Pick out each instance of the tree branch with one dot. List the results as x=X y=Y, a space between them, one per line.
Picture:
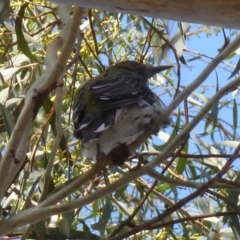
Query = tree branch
x=17 y=143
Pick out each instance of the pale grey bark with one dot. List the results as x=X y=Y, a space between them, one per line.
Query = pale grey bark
x=212 y=12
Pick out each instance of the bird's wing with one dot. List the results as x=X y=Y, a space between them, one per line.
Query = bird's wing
x=79 y=115
x=90 y=126
x=111 y=95
x=121 y=91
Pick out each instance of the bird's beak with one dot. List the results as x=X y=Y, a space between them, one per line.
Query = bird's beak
x=151 y=71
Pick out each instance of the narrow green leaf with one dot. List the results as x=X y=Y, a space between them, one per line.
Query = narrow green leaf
x=87 y=232
x=22 y=43
x=66 y=223
x=99 y=67
x=4 y=9
x=233 y=197
x=157 y=52
x=8 y=119
x=214 y=113
x=103 y=220
x=95 y=208
x=182 y=161
x=182 y=60
x=39 y=228
x=120 y=192
x=236 y=70
x=235 y=118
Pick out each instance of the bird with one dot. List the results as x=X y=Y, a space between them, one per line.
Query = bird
x=114 y=108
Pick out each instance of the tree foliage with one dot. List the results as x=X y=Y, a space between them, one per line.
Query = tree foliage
x=181 y=184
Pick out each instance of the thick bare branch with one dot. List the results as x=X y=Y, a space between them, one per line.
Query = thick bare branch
x=212 y=12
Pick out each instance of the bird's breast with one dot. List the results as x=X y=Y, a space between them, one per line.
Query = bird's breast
x=130 y=122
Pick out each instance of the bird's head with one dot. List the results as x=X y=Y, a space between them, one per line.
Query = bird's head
x=136 y=68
